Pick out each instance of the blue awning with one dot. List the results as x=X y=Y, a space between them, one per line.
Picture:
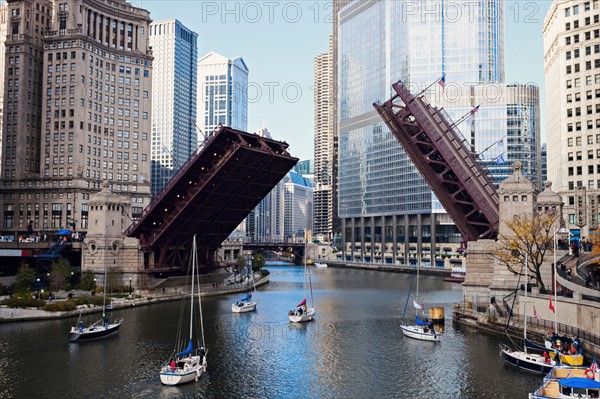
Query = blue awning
x=578 y=382
x=64 y=232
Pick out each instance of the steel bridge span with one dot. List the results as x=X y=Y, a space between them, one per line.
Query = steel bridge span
x=210 y=195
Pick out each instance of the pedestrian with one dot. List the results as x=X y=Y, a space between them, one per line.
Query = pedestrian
x=588 y=280
x=569 y=273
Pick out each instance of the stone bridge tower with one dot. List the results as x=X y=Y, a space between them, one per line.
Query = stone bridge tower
x=106 y=247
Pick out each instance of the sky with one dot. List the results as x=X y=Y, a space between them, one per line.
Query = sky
x=278 y=40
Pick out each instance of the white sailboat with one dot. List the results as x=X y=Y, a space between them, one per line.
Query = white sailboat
x=302 y=312
x=188 y=364
x=421 y=330
x=100 y=329
x=248 y=302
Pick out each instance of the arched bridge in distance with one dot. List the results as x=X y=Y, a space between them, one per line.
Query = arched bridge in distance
x=210 y=195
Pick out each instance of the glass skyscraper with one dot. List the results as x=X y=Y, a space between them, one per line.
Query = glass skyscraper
x=222 y=93
x=388 y=212
x=174 y=135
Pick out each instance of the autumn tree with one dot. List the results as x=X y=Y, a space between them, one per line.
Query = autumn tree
x=527 y=236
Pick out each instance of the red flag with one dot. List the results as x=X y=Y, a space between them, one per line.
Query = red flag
x=535 y=314
x=551 y=306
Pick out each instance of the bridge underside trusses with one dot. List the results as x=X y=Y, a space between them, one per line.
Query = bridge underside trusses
x=442 y=156
x=211 y=194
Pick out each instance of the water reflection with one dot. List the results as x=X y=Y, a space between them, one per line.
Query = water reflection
x=354 y=348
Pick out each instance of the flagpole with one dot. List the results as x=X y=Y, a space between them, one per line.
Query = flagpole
x=172 y=156
x=427 y=88
x=555 y=271
x=491 y=145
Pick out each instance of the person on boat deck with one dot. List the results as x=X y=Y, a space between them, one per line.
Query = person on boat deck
x=172 y=365
x=80 y=326
x=300 y=311
x=105 y=321
x=201 y=353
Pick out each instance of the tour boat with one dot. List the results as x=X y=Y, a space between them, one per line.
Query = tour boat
x=320 y=265
x=188 y=364
x=457 y=275
x=569 y=382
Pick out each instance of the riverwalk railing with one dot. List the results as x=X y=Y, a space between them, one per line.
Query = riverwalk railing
x=541 y=327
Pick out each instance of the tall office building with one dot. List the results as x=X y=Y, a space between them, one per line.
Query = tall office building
x=287 y=209
x=388 y=212
x=323 y=169
x=76 y=110
x=222 y=93
x=572 y=69
x=3 y=27
x=297 y=205
x=174 y=133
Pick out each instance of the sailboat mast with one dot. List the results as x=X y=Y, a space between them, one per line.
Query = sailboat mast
x=525 y=304
x=193 y=273
x=418 y=268
x=199 y=293
x=105 y=256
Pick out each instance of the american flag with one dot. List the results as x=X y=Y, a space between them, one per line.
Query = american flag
x=594 y=365
x=442 y=81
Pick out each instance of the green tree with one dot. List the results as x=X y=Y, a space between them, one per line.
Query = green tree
x=241 y=263
x=60 y=272
x=25 y=278
x=112 y=279
x=258 y=261
x=87 y=280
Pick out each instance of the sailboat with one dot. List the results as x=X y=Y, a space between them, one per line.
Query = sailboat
x=301 y=312
x=188 y=364
x=532 y=362
x=100 y=329
x=246 y=304
x=422 y=329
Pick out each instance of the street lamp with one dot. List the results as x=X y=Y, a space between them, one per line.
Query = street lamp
x=93 y=292
x=37 y=287
x=130 y=287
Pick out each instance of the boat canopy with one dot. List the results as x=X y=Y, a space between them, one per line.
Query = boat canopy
x=187 y=350
x=420 y=322
x=578 y=382
x=247 y=297
x=301 y=303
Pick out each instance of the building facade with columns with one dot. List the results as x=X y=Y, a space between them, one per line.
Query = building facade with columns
x=77 y=110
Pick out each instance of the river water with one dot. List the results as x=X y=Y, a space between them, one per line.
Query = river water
x=354 y=348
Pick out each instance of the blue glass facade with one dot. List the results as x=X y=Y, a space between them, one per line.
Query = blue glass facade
x=383 y=201
x=174 y=134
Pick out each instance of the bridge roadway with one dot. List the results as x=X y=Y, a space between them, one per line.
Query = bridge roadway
x=210 y=195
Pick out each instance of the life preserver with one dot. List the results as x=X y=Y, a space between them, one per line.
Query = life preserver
x=589 y=373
